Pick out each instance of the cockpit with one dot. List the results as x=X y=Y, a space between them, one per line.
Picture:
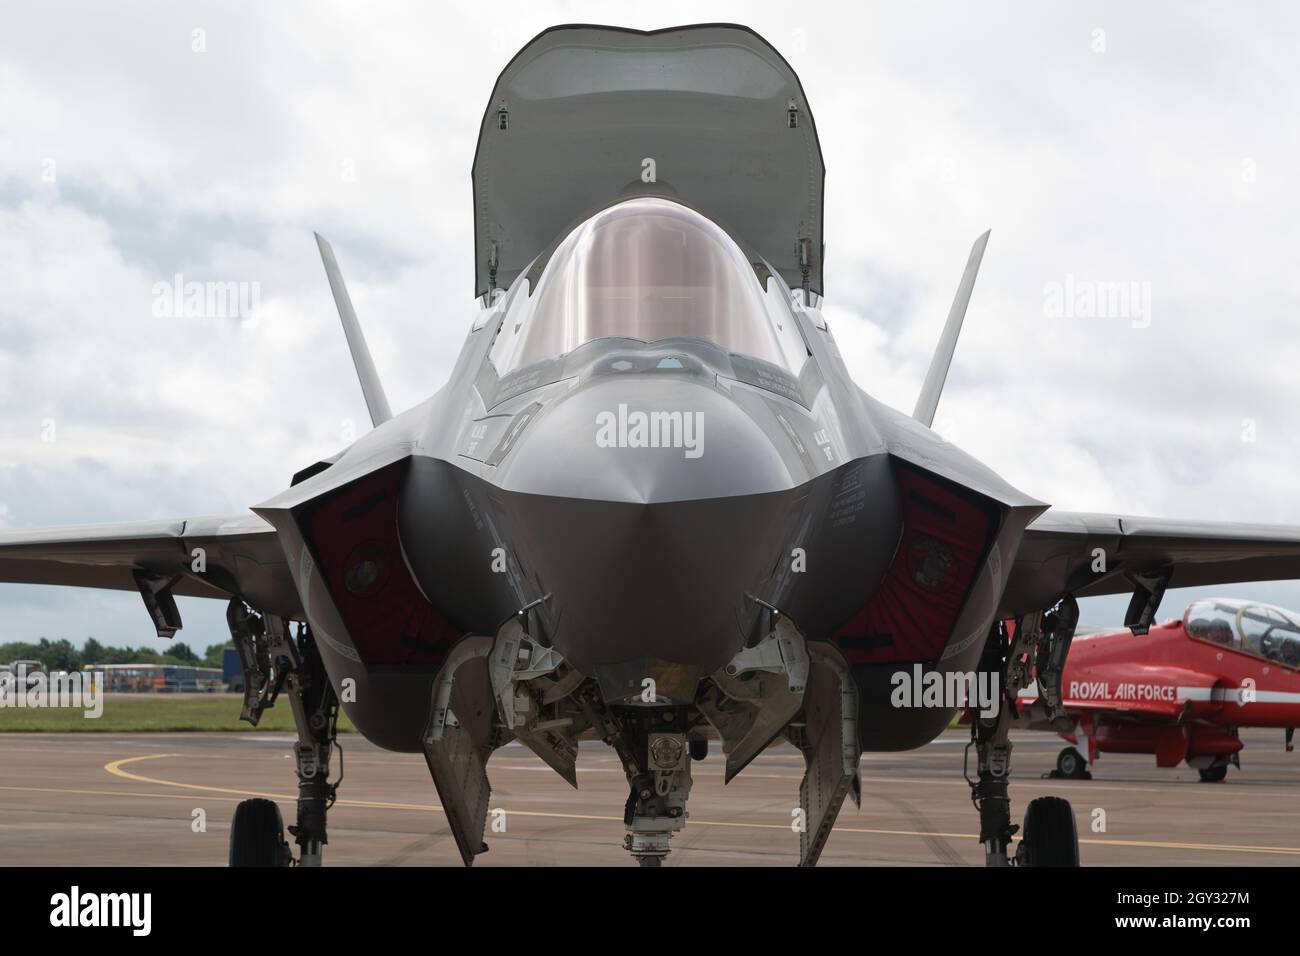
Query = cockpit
x=1260 y=630
x=648 y=269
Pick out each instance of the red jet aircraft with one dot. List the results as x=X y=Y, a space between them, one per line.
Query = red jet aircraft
x=1179 y=692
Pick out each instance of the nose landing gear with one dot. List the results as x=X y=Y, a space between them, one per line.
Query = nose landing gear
x=655 y=810
x=657 y=757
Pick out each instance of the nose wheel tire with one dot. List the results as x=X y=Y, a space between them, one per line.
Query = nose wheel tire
x=257 y=835
x=1050 y=835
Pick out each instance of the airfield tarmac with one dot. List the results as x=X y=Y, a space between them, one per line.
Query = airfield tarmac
x=129 y=799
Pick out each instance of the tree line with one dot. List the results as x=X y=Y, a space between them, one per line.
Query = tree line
x=62 y=655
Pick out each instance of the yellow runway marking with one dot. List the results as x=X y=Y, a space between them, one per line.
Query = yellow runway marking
x=115 y=768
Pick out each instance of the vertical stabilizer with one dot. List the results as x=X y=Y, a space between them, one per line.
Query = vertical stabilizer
x=376 y=401
x=928 y=400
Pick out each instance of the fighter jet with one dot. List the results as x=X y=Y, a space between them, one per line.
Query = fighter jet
x=650 y=507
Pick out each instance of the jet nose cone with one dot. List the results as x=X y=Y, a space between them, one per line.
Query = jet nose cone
x=648 y=507
x=667 y=582
x=645 y=439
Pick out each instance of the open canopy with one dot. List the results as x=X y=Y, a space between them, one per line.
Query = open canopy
x=711 y=115
x=648 y=269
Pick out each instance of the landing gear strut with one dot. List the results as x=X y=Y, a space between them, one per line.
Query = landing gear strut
x=990 y=738
x=657 y=757
x=273 y=661
x=1050 y=836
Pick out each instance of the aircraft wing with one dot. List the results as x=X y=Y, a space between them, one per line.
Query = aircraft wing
x=217 y=557
x=1065 y=552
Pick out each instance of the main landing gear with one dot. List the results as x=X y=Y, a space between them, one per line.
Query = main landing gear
x=1070 y=765
x=1213 y=773
x=1213 y=769
x=1050 y=836
x=273 y=661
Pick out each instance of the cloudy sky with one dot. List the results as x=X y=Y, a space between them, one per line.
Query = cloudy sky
x=1154 y=147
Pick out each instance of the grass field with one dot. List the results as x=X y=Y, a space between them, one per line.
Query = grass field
x=159 y=713
x=127 y=713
